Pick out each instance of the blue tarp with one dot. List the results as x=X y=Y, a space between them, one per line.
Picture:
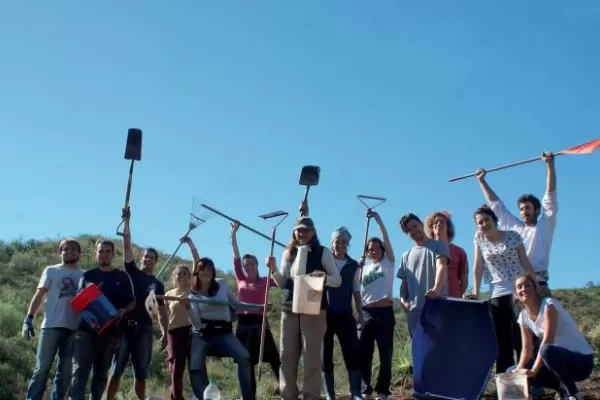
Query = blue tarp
x=454 y=349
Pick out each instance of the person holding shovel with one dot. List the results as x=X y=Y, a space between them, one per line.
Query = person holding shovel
x=90 y=350
x=377 y=308
x=340 y=317
x=302 y=334
x=251 y=288
x=136 y=327
x=57 y=286
x=537 y=223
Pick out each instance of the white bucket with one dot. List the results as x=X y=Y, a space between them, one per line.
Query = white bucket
x=308 y=292
x=512 y=386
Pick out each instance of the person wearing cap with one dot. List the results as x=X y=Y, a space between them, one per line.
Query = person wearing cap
x=340 y=317
x=304 y=255
x=251 y=288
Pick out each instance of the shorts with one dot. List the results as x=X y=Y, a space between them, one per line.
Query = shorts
x=135 y=342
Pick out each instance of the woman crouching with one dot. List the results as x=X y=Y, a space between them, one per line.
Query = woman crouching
x=565 y=357
x=212 y=328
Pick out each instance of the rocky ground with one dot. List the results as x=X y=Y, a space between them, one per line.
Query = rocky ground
x=590 y=388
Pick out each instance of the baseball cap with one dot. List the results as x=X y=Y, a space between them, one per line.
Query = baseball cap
x=304 y=222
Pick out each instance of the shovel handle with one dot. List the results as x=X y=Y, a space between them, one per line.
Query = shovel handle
x=127 y=196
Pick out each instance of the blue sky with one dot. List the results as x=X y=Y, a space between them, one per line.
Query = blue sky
x=390 y=98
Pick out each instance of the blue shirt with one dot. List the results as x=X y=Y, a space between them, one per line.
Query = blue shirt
x=114 y=284
x=143 y=283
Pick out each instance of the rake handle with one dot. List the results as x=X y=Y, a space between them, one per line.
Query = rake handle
x=263 y=328
x=241 y=224
x=162 y=269
x=365 y=244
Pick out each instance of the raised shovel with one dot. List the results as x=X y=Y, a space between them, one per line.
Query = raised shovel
x=133 y=152
x=309 y=176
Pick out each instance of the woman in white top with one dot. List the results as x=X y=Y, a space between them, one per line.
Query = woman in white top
x=500 y=258
x=209 y=301
x=378 y=312
x=565 y=357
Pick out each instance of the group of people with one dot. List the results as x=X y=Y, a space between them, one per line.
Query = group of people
x=535 y=335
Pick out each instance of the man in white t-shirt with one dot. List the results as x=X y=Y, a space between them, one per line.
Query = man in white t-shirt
x=58 y=285
x=537 y=223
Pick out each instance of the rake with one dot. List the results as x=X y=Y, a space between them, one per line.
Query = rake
x=363 y=198
x=271 y=215
x=241 y=224
x=195 y=221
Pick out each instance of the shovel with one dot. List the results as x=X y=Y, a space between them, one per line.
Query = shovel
x=309 y=177
x=133 y=152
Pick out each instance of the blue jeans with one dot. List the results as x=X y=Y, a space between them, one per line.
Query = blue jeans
x=51 y=341
x=91 y=351
x=378 y=328
x=561 y=369
x=226 y=345
x=135 y=341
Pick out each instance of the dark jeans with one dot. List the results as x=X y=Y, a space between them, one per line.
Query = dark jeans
x=561 y=369
x=378 y=328
x=227 y=345
x=178 y=350
x=135 y=343
x=91 y=351
x=508 y=331
x=344 y=327
x=51 y=341
x=248 y=333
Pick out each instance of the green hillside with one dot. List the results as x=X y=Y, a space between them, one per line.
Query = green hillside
x=22 y=262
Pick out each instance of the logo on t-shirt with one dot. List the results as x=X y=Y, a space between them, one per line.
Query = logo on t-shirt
x=151 y=287
x=373 y=275
x=67 y=288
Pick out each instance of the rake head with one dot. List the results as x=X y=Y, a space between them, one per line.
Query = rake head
x=198 y=218
x=273 y=214
x=363 y=197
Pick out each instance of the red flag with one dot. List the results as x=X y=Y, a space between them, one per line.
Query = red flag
x=585 y=148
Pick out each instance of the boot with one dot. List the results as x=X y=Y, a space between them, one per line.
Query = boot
x=355 y=380
x=329 y=384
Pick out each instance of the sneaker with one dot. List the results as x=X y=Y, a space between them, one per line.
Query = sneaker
x=382 y=397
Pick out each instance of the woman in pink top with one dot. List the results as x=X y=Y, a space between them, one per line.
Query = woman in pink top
x=251 y=288
x=439 y=226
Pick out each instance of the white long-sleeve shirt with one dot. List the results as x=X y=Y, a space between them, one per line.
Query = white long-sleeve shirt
x=536 y=239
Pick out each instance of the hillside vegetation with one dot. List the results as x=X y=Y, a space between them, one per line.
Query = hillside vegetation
x=21 y=264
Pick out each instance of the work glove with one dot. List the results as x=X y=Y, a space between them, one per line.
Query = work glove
x=28 y=332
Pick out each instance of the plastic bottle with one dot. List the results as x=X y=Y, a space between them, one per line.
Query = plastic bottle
x=212 y=391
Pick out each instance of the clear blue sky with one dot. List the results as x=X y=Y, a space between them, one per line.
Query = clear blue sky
x=390 y=98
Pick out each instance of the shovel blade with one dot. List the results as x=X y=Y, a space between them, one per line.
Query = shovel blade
x=133 y=149
x=310 y=175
